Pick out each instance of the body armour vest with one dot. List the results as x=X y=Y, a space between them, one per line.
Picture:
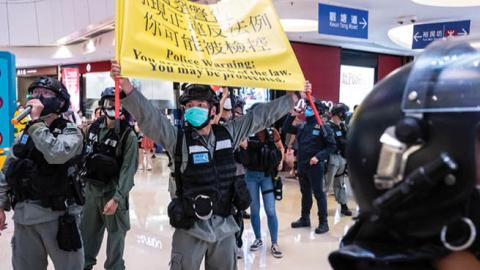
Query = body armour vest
x=103 y=158
x=310 y=138
x=263 y=156
x=207 y=176
x=33 y=178
x=340 y=134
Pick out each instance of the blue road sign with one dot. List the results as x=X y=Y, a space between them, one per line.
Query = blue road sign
x=342 y=21
x=424 y=34
x=7 y=98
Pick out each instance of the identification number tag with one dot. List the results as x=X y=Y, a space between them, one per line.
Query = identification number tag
x=200 y=158
x=316 y=132
x=24 y=139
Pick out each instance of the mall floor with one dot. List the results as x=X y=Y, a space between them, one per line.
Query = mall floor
x=148 y=243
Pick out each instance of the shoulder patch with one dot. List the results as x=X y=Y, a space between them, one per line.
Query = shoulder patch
x=70 y=125
x=71 y=128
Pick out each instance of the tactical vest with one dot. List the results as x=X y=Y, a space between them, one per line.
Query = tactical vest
x=31 y=177
x=263 y=156
x=311 y=139
x=340 y=135
x=211 y=176
x=103 y=159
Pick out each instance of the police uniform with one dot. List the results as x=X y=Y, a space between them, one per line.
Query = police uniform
x=213 y=238
x=313 y=141
x=336 y=170
x=102 y=186
x=39 y=204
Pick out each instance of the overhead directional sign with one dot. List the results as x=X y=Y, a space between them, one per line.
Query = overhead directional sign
x=342 y=21
x=424 y=34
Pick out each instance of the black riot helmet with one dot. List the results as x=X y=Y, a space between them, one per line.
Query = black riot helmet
x=340 y=110
x=107 y=93
x=199 y=92
x=107 y=103
x=413 y=158
x=322 y=106
x=55 y=86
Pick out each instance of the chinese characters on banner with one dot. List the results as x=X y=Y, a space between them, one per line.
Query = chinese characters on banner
x=71 y=80
x=233 y=42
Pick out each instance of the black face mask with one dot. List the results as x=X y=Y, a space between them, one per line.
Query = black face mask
x=50 y=105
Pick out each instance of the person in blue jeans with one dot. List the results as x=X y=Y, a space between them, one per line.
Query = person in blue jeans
x=264 y=154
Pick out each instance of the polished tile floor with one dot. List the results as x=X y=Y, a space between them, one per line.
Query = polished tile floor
x=148 y=243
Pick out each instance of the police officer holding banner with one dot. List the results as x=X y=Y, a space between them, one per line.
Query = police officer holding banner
x=315 y=144
x=204 y=168
x=110 y=163
x=38 y=182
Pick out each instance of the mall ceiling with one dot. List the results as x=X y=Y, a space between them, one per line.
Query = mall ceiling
x=383 y=15
x=32 y=29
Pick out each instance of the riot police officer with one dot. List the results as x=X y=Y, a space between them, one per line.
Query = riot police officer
x=315 y=144
x=413 y=164
x=110 y=163
x=39 y=182
x=204 y=169
x=337 y=165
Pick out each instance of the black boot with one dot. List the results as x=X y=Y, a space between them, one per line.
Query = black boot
x=301 y=222
x=345 y=211
x=322 y=226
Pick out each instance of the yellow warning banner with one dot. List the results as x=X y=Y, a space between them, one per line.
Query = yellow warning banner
x=233 y=42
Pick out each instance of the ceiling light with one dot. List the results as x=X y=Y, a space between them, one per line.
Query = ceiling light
x=62 y=52
x=402 y=35
x=298 y=25
x=448 y=3
x=62 y=41
x=89 y=47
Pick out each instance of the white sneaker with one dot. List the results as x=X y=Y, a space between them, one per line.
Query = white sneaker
x=256 y=245
x=276 y=252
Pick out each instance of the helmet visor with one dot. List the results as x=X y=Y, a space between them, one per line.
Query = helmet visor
x=445 y=78
x=109 y=103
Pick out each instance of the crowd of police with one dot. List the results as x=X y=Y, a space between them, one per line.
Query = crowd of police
x=415 y=188
x=68 y=185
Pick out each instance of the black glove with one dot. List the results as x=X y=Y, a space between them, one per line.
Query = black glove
x=68 y=236
x=177 y=215
x=241 y=199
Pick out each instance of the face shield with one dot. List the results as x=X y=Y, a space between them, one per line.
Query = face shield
x=108 y=104
x=441 y=98
x=108 y=107
x=444 y=79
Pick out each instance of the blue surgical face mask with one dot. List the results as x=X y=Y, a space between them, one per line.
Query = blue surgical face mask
x=308 y=112
x=196 y=116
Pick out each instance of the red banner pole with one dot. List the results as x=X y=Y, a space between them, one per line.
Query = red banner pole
x=314 y=108
x=117 y=97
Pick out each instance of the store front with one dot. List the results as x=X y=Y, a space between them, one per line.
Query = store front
x=95 y=77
